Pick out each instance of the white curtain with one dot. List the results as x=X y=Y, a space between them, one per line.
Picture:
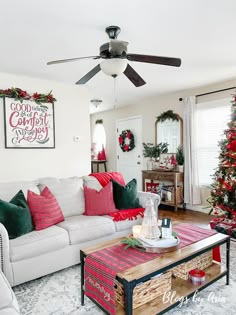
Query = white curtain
x=191 y=184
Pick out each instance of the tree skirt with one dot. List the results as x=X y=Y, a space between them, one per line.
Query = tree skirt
x=59 y=294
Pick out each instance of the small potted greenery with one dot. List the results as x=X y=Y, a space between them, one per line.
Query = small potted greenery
x=180 y=158
x=153 y=152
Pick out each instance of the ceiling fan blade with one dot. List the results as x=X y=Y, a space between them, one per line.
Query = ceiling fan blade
x=133 y=76
x=167 y=61
x=71 y=60
x=89 y=75
x=118 y=46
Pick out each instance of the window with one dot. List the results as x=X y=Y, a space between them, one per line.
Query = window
x=99 y=137
x=211 y=121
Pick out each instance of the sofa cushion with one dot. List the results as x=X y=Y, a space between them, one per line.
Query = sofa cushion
x=44 y=209
x=15 y=216
x=8 y=302
x=83 y=228
x=68 y=192
x=7 y=190
x=92 y=183
x=99 y=202
x=125 y=197
x=37 y=243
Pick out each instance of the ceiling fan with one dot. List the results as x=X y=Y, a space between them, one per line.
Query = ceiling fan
x=115 y=56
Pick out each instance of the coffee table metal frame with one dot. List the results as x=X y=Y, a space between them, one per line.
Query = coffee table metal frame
x=130 y=285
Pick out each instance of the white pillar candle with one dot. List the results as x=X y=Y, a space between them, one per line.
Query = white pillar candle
x=137 y=230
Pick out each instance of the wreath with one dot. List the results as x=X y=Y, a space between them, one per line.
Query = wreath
x=126 y=140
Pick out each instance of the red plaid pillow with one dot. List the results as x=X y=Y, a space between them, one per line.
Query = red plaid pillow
x=44 y=209
x=99 y=202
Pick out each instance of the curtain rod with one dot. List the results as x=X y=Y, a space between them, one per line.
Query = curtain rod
x=217 y=91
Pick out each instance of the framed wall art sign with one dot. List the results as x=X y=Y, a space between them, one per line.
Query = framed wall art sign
x=28 y=124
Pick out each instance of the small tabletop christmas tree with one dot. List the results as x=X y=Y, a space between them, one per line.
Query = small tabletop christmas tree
x=223 y=193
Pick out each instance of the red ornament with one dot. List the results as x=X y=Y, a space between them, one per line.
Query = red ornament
x=231 y=135
x=231 y=146
x=120 y=139
x=126 y=147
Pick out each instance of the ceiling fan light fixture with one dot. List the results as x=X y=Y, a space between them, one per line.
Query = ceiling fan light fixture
x=114 y=66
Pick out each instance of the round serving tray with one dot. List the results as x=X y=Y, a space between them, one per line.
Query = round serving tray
x=159 y=250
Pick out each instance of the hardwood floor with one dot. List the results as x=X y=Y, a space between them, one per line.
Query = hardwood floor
x=185 y=216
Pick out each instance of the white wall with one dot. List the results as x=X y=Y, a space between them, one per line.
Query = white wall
x=69 y=158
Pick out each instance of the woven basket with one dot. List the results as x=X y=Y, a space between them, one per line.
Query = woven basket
x=179 y=195
x=146 y=291
x=201 y=262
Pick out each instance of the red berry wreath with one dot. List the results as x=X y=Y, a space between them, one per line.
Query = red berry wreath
x=126 y=140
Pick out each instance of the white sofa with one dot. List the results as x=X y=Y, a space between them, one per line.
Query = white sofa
x=42 y=252
x=8 y=302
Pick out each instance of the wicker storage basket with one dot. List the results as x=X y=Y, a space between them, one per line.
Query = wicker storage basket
x=178 y=193
x=201 y=262
x=146 y=291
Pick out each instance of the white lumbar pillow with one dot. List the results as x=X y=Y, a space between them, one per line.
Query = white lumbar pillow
x=68 y=192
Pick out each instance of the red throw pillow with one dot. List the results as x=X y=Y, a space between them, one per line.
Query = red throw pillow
x=99 y=202
x=44 y=209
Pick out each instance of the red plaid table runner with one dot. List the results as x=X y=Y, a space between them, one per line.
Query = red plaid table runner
x=102 y=266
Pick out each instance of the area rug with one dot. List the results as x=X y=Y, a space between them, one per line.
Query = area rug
x=59 y=294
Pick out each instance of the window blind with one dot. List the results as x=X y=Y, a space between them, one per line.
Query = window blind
x=211 y=121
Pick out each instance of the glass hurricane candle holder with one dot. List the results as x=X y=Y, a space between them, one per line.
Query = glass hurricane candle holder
x=150 y=227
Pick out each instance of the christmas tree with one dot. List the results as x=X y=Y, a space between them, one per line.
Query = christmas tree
x=223 y=193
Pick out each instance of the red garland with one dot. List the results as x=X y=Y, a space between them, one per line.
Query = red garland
x=228 y=209
x=225 y=184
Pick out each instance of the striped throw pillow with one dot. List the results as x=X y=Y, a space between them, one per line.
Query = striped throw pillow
x=44 y=209
x=99 y=202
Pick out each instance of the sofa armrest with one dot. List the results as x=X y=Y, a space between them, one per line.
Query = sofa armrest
x=5 y=265
x=143 y=197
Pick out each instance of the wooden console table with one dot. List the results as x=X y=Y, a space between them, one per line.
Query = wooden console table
x=174 y=177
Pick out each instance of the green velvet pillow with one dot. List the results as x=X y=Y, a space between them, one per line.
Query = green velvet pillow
x=15 y=216
x=125 y=197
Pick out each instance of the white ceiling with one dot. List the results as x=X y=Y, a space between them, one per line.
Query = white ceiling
x=200 y=32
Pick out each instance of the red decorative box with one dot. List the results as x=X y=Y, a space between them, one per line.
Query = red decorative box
x=152 y=187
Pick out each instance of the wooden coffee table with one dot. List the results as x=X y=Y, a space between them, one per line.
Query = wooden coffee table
x=141 y=273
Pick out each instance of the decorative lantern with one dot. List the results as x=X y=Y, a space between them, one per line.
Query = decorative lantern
x=150 y=227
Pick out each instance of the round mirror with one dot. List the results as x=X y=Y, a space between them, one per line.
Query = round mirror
x=169 y=128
